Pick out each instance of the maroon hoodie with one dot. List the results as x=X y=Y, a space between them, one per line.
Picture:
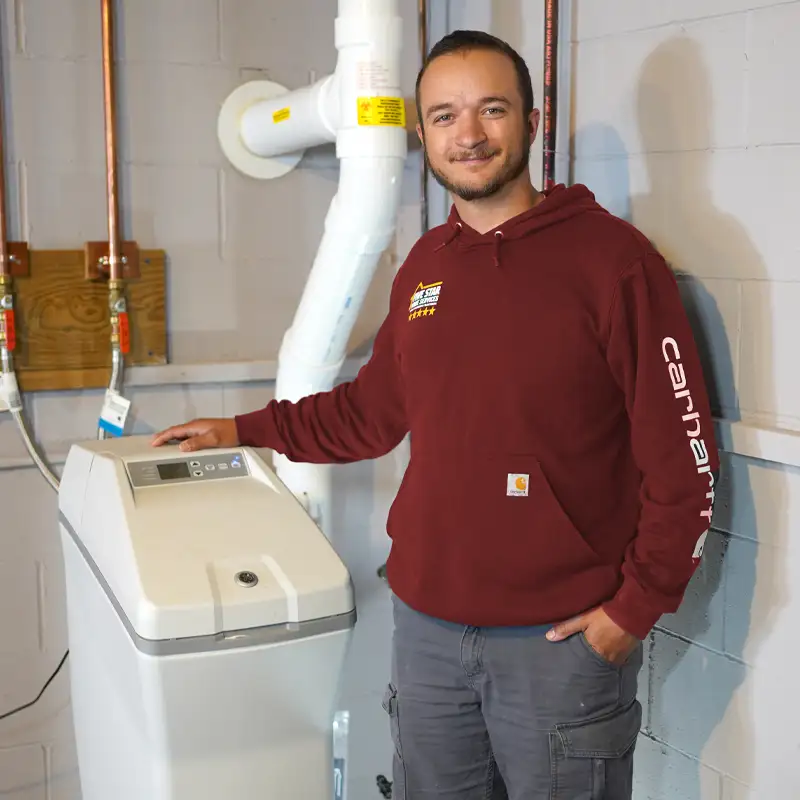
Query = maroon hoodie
x=562 y=451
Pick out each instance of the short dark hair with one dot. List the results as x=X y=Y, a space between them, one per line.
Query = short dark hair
x=460 y=41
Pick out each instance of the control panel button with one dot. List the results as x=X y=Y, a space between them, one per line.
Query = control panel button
x=189 y=468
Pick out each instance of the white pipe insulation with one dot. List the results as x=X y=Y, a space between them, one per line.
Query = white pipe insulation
x=264 y=130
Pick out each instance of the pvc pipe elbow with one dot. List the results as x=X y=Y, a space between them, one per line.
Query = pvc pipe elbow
x=290 y=122
x=265 y=129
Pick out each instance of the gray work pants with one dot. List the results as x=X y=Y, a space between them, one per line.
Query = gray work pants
x=505 y=714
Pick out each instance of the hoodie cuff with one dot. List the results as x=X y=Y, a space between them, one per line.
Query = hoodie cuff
x=257 y=428
x=633 y=611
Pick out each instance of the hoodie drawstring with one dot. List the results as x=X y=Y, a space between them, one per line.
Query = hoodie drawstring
x=498 y=237
x=453 y=235
x=451 y=238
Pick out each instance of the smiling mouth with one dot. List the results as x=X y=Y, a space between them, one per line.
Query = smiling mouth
x=478 y=159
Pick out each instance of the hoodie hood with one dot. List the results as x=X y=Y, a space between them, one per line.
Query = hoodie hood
x=560 y=203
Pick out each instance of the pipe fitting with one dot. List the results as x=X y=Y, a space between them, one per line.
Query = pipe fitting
x=116 y=296
x=6 y=291
x=116 y=305
x=7 y=333
x=264 y=129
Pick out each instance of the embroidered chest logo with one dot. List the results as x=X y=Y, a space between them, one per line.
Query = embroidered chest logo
x=424 y=300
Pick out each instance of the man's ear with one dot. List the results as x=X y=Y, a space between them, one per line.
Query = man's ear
x=420 y=134
x=533 y=123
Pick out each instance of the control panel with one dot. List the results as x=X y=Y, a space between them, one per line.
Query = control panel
x=187 y=469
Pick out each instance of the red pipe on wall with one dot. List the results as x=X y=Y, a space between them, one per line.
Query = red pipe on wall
x=550 y=93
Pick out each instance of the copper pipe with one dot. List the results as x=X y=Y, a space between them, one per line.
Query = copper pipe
x=117 y=307
x=112 y=188
x=6 y=290
x=5 y=263
x=550 y=93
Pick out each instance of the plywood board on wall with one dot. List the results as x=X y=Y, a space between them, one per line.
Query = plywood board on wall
x=62 y=321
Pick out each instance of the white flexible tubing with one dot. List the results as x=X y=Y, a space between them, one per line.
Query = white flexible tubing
x=33 y=451
x=114 y=382
x=9 y=390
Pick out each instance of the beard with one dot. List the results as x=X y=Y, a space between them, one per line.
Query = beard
x=513 y=166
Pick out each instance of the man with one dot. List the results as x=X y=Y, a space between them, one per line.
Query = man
x=562 y=460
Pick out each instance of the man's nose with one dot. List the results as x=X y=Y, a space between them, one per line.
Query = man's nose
x=470 y=132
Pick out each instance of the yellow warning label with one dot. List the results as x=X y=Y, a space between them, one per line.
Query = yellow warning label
x=280 y=115
x=381 y=111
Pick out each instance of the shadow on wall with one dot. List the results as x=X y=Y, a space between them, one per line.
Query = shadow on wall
x=699 y=701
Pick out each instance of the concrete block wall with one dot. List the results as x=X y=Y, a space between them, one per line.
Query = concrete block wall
x=684 y=123
x=239 y=254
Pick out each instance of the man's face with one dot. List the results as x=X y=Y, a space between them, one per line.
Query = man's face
x=476 y=137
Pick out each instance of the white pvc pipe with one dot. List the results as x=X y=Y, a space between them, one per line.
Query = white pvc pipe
x=304 y=118
x=359 y=226
x=361 y=106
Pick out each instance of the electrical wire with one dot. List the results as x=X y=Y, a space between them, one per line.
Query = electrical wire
x=38 y=696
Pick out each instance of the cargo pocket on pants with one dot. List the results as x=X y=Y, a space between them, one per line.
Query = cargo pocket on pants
x=593 y=760
x=398 y=767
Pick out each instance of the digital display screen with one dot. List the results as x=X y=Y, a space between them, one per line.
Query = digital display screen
x=171 y=472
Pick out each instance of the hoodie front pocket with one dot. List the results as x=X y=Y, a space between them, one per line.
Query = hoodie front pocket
x=529 y=524
x=496 y=519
